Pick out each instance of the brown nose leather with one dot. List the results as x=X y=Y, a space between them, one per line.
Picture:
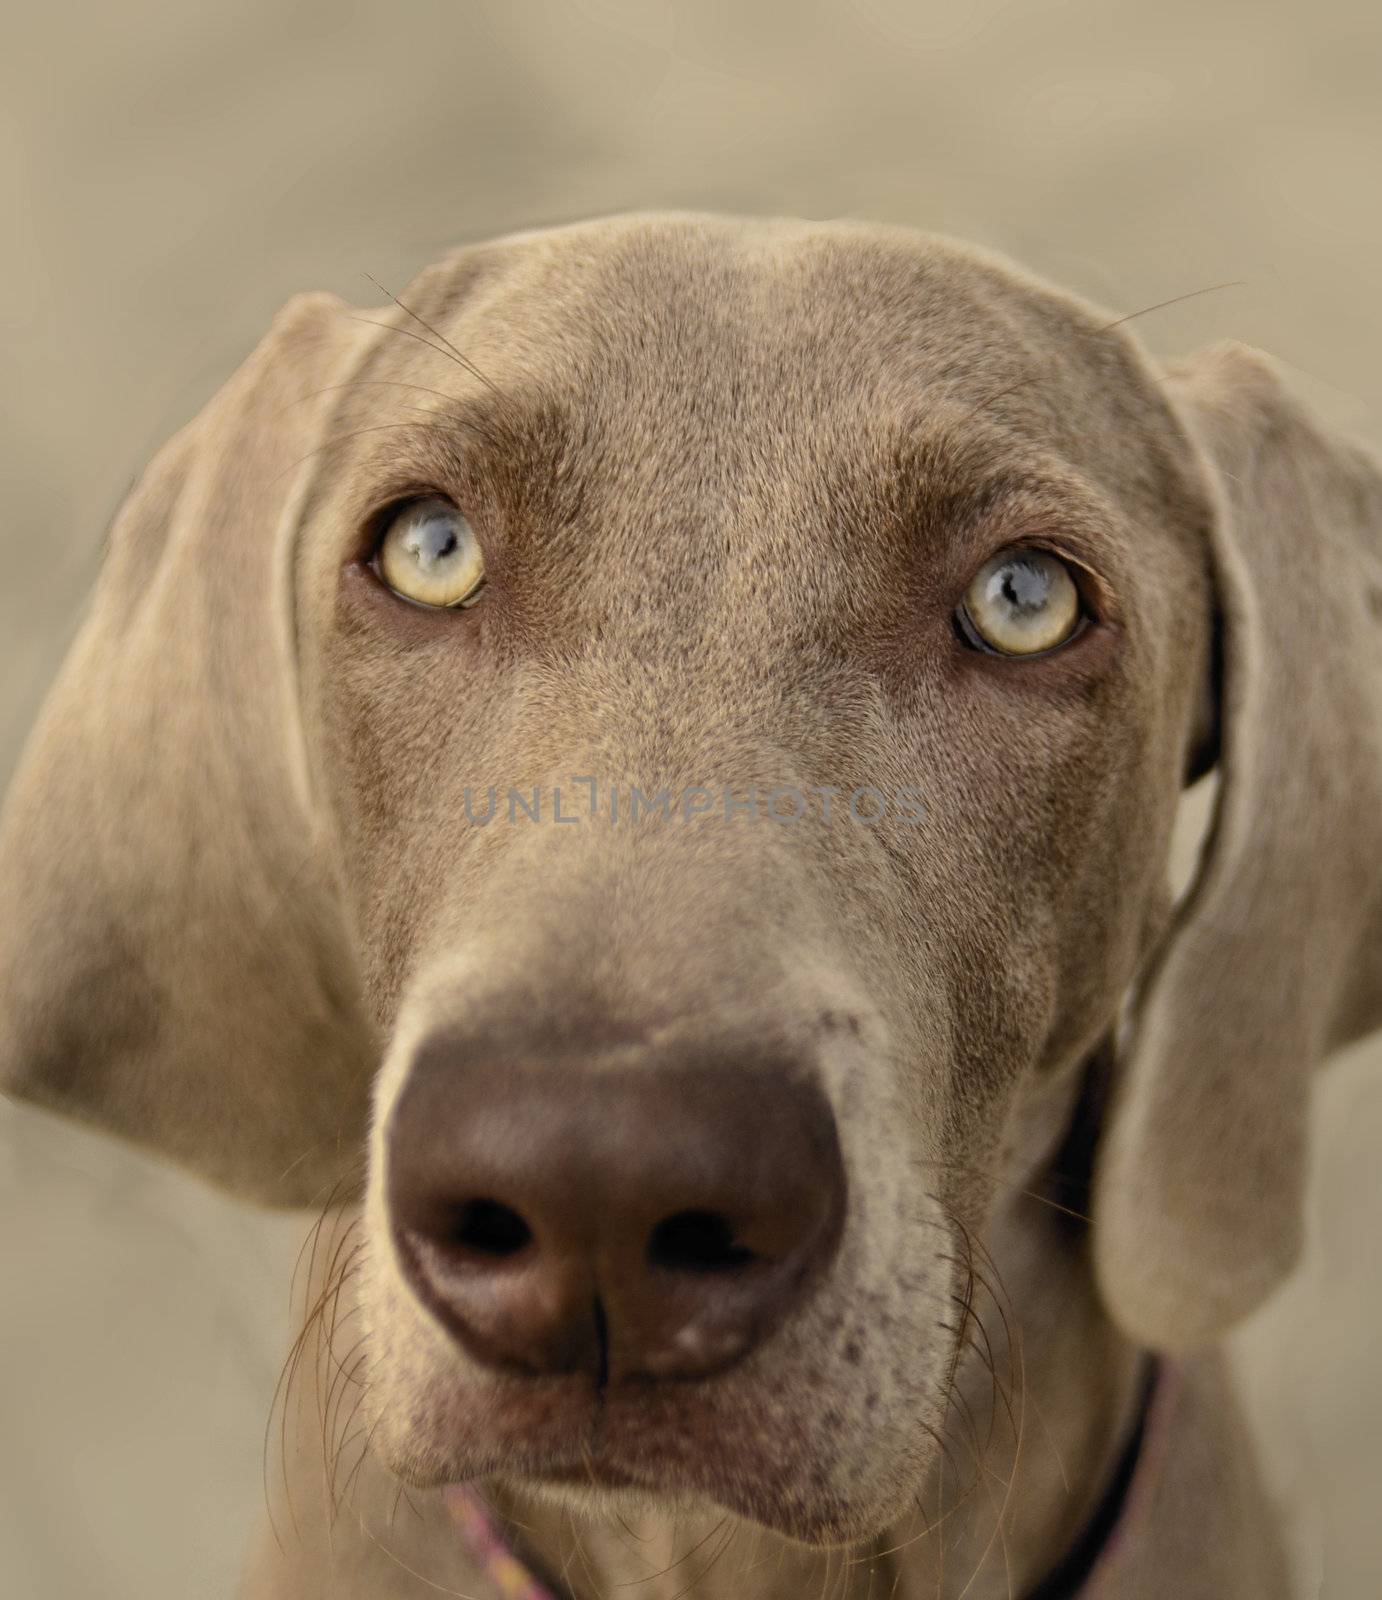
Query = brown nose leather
x=655 y=1220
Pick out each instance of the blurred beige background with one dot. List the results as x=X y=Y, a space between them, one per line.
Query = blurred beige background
x=171 y=174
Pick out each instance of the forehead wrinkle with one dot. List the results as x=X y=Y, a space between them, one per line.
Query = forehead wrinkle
x=939 y=480
x=921 y=455
x=478 y=440
x=943 y=466
x=481 y=449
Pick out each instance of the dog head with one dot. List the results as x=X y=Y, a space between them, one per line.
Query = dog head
x=669 y=740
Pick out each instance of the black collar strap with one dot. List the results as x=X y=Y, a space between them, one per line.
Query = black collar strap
x=1113 y=1518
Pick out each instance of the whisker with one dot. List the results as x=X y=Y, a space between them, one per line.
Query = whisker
x=1175 y=300
x=564 y=1577
x=639 y=1538
x=311 y=1235
x=455 y=1594
x=284 y=1381
x=367 y=383
x=407 y=333
x=287 y=1377
x=998 y=394
x=348 y=1487
x=1050 y=1442
x=1108 y=327
x=673 y=1565
x=341 y=1399
x=357 y=433
x=436 y=333
x=705 y=1571
x=579 y=1544
x=1001 y=1181
x=351 y=1434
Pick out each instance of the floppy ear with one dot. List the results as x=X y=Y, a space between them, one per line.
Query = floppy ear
x=1275 y=957
x=174 y=959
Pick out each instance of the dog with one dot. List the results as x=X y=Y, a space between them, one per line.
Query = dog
x=639 y=779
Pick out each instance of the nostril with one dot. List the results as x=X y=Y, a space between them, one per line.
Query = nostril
x=488 y=1228
x=697 y=1241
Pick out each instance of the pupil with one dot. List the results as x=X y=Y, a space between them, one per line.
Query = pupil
x=1024 y=586
x=434 y=541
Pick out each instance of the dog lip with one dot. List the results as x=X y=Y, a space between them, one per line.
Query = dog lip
x=679 y=1450
x=587 y=1441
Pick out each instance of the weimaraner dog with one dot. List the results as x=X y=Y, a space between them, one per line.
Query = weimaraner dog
x=639 y=780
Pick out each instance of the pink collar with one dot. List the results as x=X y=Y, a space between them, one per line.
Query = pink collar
x=1080 y=1574
x=489 y=1549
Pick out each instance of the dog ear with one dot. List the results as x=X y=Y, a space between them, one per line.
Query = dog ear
x=174 y=958
x=1275 y=956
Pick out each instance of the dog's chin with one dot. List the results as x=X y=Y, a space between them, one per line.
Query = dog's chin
x=792 y=1501
x=830 y=1524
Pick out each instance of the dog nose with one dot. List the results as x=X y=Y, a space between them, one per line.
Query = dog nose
x=655 y=1221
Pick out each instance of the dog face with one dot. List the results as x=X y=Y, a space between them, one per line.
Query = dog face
x=896 y=574
x=728 y=523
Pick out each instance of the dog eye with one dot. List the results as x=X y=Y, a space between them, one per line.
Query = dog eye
x=428 y=553
x=1021 y=602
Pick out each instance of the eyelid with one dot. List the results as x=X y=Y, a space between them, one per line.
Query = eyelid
x=374 y=520
x=1049 y=505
